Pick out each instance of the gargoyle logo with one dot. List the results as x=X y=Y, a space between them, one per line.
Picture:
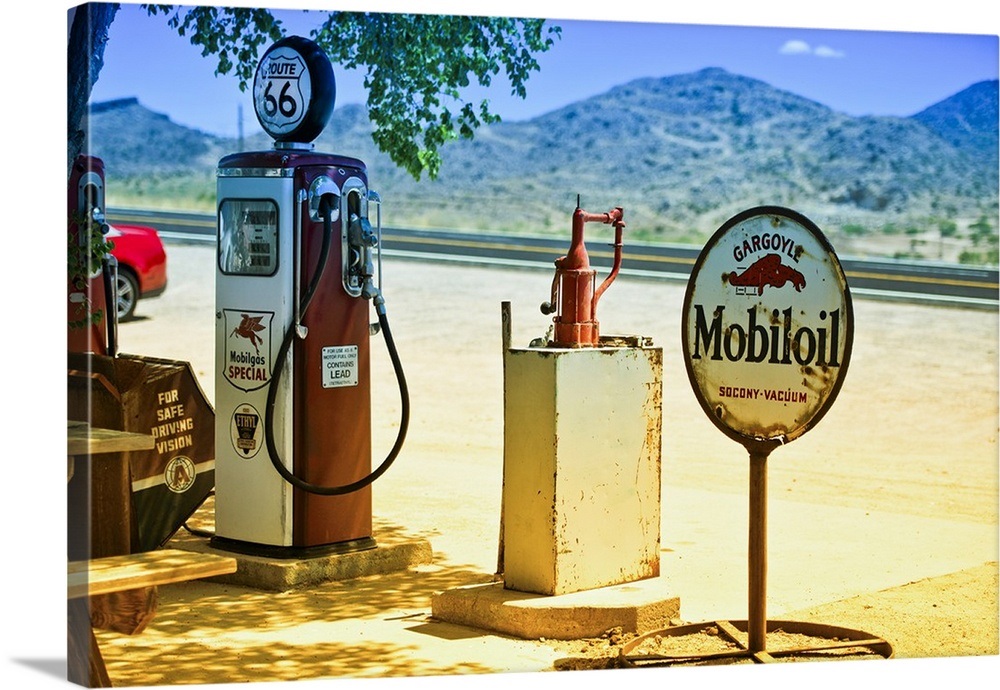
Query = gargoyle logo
x=767 y=270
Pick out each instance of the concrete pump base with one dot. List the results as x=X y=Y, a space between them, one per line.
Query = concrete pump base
x=635 y=607
x=395 y=551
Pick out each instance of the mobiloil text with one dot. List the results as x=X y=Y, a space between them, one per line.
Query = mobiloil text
x=774 y=343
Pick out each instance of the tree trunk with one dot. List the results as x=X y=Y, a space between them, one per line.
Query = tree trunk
x=87 y=38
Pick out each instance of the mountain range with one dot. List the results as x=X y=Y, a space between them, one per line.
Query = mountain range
x=679 y=153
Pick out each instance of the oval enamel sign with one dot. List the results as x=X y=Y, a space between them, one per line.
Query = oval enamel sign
x=767 y=326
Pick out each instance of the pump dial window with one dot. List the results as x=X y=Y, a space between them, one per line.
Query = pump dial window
x=248 y=237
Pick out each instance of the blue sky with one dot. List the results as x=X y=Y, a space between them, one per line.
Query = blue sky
x=854 y=61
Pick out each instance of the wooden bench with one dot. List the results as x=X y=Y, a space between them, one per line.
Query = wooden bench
x=112 y=574
x=148 y=569
x=122 y=573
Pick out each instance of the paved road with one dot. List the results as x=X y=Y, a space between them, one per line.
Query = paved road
x=946 y=283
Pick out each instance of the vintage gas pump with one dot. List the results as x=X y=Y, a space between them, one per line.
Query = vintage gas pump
x=91 y=284
x=296 y=271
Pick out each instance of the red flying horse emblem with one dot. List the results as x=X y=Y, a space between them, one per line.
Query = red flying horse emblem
x=249 y=328
x=768 y=270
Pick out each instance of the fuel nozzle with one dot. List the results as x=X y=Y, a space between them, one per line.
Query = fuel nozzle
x=362 y=238
x=100 y=221
x=573 y=297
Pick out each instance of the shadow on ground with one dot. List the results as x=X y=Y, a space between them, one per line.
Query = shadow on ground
x=378 y=626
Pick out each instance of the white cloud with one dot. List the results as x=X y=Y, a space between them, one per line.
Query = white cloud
x=827 y=52
x=797 y=47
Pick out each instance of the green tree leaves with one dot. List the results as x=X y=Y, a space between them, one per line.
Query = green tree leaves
x=415 y=66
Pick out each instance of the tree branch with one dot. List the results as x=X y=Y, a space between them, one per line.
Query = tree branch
x=87 y=38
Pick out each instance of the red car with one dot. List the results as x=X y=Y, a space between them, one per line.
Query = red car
x=142 y=265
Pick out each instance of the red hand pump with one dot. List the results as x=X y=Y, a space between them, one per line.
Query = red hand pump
x=573 y=291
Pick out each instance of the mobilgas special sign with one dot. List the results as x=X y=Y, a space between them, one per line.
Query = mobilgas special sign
x=247 y=356
x=767 y=326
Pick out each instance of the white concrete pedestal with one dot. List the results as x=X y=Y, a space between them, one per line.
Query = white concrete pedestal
x=582 y=433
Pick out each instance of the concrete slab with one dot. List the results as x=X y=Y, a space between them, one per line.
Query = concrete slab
x=635 y=607
x=395 y=551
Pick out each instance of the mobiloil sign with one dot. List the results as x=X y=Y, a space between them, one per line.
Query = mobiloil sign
x=767 y=326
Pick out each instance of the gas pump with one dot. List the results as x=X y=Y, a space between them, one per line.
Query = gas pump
x=296 y=270
x=91 y=290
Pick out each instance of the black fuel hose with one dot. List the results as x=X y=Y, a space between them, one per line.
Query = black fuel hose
x=286 y=343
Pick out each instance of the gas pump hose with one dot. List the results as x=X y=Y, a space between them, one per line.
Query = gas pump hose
x=286 y=343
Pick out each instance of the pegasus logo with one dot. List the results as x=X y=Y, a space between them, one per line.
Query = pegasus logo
x=768 y=270
x=248 y=328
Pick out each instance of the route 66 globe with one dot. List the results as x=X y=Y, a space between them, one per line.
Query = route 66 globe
x=294 y=90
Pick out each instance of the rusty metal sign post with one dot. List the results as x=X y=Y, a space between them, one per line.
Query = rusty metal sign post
x=767 y=329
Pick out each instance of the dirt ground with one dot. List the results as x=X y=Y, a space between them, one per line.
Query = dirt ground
x=883 y=517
